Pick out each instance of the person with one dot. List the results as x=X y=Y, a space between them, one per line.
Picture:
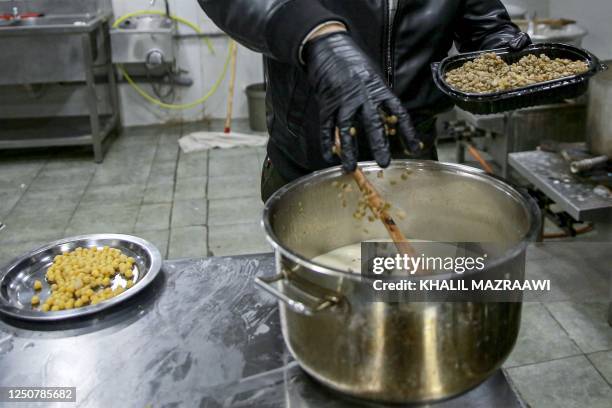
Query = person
x=355 y=73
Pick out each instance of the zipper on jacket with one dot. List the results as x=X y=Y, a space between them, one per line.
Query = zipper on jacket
x=392 y=6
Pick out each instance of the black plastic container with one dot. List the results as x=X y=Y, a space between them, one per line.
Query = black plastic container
x=537 y=94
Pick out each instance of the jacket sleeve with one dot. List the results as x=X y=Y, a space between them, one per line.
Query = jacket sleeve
x=484 y=24
x=273 y=27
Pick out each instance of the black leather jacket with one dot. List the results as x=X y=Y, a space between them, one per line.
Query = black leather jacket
x=404 y=43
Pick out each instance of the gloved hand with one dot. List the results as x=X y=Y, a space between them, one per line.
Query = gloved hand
x=350 y=93
x=520 y=42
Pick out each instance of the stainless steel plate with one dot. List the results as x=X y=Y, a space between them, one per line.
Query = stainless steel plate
x=17 y=279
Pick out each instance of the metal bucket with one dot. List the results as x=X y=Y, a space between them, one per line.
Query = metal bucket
x=395 y=352
x=256 y=96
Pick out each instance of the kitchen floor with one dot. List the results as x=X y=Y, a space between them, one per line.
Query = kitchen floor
x=204 y=204
x=188 y=205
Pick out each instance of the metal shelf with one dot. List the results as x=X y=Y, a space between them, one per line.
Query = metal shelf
x=76 y=135
x=89 y=60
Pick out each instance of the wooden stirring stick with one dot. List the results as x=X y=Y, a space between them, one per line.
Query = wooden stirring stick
x=378 y=207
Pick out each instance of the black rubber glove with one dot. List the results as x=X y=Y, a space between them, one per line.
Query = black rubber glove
x=350 y=93
x=520 y=42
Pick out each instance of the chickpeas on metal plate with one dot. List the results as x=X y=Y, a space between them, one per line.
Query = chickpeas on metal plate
x=85 y=276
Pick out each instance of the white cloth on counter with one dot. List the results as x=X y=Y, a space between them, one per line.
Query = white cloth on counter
x=199 y=141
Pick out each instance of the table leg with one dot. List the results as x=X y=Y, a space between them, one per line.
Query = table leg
x=460 y=153
x=112 y=81
x=92 y=100
x=508 y=144
x=610 y=305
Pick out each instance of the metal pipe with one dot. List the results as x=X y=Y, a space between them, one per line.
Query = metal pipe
x=588 y=164
x=166 y=5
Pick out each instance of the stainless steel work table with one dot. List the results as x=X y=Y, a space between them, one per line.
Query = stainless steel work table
x=72 y=50
x=550 y=173
x=201 y=335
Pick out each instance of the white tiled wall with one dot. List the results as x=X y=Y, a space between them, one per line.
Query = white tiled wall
x=595 y=16
x=204 y=69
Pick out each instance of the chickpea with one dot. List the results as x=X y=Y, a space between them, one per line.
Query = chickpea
x=35 y=300
x=37 y=285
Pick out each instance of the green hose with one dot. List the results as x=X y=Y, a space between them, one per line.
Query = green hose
x=154 y=100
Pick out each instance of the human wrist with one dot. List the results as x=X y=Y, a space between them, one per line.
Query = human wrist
x=326 y=28
x=323 y=29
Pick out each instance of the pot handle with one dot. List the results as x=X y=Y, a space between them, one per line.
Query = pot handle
x=310 y=305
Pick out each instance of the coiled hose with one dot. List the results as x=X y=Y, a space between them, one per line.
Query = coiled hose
x=155 y=101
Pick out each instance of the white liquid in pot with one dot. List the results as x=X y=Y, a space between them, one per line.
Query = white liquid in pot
x=348 y=258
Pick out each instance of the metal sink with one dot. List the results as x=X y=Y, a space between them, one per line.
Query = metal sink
x=144 y=40
x=51 y=23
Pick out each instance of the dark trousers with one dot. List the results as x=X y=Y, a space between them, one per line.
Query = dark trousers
x=272 y=181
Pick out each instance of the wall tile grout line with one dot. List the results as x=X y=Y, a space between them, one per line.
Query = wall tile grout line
x=515 y=388
x=235 y=223
x=550 y=361
x=562 y=327
x=140 y=205
x=174 y=182
x=207 y=203
x=597 y=369
x=93 y=173
x=586 y=356
x=23 y=193
x=545 y=361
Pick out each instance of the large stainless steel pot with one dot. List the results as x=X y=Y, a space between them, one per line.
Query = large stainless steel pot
x=395 y=352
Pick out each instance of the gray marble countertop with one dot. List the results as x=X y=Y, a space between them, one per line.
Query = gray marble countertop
x=201 y=336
